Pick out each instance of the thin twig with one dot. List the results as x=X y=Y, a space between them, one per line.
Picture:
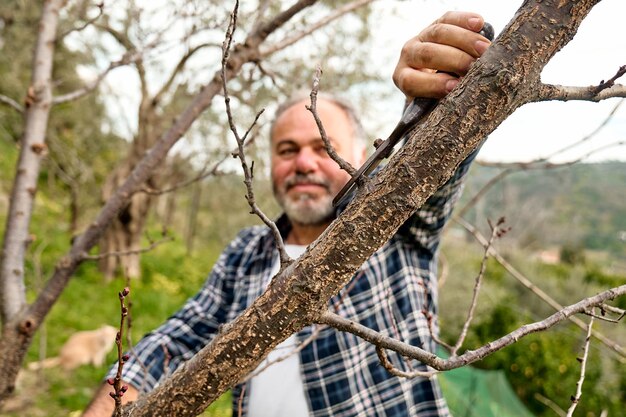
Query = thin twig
x=247 y=170
x=128 y=252
x=614 y=310
x=384 y=360
x=611 y=82
x=603 y=317
x=343 y=164
x=539 y=292
x=128 y=58
x=11 y=103
x=205 y=172
x=240 y=401
x=116 y=382
x=496 y=232
x=583 y=366
x=85 y=25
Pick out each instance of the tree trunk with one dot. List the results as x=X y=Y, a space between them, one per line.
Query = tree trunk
x=124 y=235
x=33 y=148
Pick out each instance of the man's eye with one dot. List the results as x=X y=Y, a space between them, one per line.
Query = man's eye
x=287 y=151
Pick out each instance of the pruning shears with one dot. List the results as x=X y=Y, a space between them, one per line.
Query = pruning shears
x=414 y=112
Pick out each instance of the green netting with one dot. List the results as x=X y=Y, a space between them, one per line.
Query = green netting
x=474 y=392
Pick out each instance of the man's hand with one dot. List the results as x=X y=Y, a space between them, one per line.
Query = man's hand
x=102 y=405
x=447 y=46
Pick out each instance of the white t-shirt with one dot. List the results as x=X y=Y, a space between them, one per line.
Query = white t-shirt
x=278 y=390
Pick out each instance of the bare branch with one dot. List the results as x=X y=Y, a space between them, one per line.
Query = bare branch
x=583 y=367
x=598 y=92
x=432 y=360
x=323 y=22
x=343 y=164
x=539 y=292
x=128 y=252
x=128 y=58
x=496 y=232
x=247 y=170
x=179 y=67
x=85 y=25
x=11 y=103
x=549 y=403
x=614 y=310
x=116 y=382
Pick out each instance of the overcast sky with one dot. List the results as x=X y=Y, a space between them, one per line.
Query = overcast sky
x=535 y=130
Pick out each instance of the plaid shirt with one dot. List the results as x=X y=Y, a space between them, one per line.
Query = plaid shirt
x=394 y=292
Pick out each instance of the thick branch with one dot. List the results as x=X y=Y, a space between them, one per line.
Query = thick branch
x=128 y=58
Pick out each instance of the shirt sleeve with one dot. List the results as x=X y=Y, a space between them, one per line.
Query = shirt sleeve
x=426 y=225
x=159 y=353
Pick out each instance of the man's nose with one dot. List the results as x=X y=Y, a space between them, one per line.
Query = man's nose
x=306 y=161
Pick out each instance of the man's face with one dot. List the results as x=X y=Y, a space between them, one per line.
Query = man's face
x=304 y=178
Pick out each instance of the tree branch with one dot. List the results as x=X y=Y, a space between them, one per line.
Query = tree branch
x=247 y=170
x=144 y=169
x=85 y=25
x=439 y=364
x=583 y=366
x=11 y=103
x=602 y=91
x=496 y=232
x=128 y=58
x=343 y=164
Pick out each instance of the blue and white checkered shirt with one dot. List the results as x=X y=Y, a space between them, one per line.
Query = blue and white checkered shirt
x=394 y=292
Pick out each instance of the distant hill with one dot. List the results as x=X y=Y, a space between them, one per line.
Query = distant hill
x=582 y=205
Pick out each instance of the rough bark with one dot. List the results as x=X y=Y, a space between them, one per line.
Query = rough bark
x=503 y=80
x=18 y=332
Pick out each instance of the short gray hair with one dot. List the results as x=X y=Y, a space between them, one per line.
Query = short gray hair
x=343 y=104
